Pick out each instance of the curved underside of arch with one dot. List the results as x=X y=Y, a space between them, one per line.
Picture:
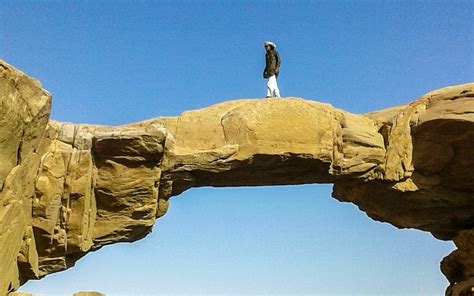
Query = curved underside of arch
x=68 y=189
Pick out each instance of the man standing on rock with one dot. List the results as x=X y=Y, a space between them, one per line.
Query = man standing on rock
x=272 y=69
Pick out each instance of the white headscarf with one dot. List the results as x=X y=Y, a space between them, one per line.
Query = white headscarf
x=270 y=43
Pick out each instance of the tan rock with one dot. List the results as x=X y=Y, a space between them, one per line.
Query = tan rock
x=70 y=189
x=459 y=265
x=126 y=185
x=23 y=116
x=24 y=113
x=88 y=294
x=314 y=143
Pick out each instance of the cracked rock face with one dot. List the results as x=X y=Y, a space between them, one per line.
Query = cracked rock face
x=67 y=189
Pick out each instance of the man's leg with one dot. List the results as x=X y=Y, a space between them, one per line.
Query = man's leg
x=269 y=88
x=276 y=91
x=272 y=88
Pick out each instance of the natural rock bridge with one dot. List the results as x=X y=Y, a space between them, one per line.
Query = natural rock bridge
x=67 y=189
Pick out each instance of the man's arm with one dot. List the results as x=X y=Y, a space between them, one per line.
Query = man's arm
x=277 y=66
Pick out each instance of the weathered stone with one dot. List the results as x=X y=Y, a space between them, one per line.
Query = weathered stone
x=24 y=113
x=240 y=145
x=68 y=189
x=458 y=267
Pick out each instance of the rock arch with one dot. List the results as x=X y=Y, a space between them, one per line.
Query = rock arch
x=69 y=189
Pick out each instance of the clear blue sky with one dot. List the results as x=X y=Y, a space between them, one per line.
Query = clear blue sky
x=118 y=62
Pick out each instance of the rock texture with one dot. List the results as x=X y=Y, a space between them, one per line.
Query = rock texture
x=67 y=189
x=24 y=113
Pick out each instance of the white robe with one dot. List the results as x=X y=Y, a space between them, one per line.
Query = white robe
x=272 y=87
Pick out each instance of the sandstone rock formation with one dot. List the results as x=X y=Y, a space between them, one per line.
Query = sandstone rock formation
x=68 y=189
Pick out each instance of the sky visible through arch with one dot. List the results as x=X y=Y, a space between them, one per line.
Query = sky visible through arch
x=116 y=62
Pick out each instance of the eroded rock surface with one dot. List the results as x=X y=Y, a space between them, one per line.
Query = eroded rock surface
x=68 y=189
x=24 y=113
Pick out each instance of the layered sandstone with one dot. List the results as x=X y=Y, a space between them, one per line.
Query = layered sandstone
x=24 y=114
x=68 y=189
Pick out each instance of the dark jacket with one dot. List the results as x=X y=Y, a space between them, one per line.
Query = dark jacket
x=272 y=64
